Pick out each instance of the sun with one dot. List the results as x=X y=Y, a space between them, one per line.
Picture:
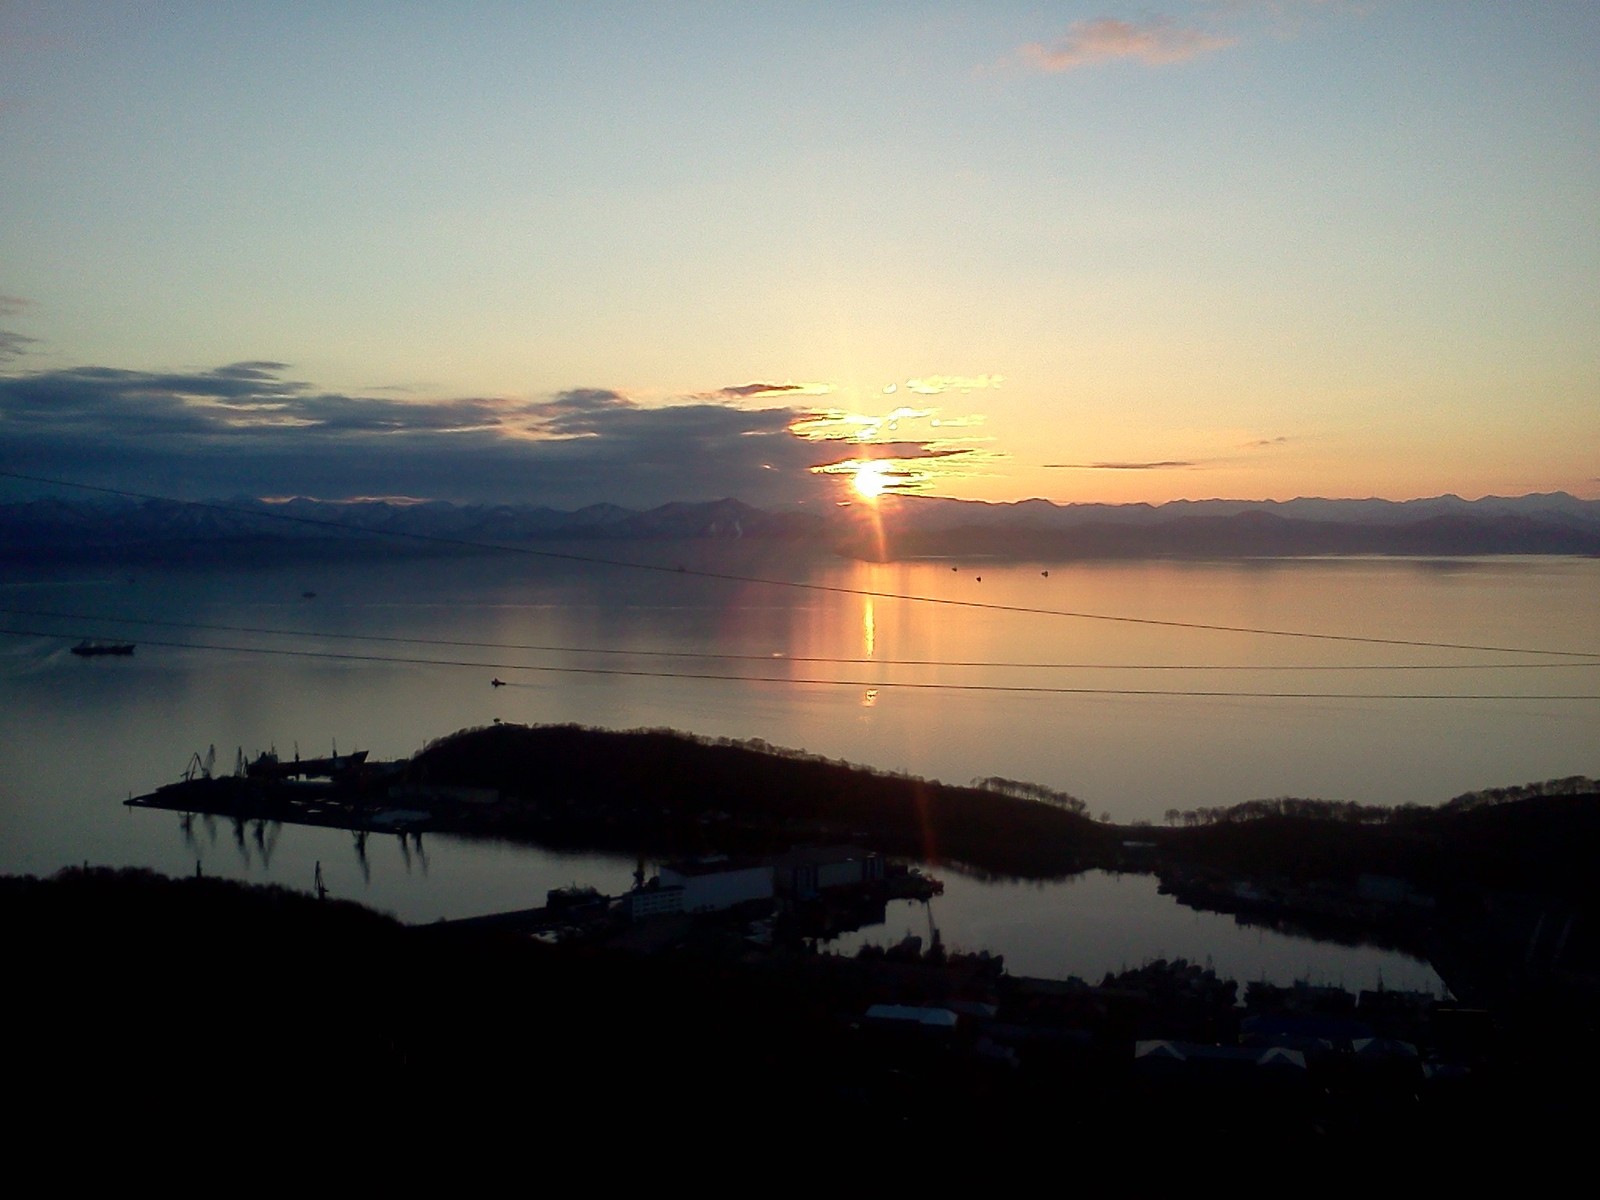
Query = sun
x=871 y=480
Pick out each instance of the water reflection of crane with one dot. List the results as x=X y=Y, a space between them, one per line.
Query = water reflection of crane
x=266 y=844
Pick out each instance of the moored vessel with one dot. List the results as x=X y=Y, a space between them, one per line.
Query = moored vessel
x=87 y=649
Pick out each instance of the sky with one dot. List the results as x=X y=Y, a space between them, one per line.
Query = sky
x=635 y=253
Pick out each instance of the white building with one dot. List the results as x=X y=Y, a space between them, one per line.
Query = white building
x=713 y=884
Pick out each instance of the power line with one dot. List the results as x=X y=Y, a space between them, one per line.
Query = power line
x=801 y=585
x=868 y=684
x=816 y=659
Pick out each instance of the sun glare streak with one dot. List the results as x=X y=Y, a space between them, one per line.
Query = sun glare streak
x=930 y=842
x=872 y=479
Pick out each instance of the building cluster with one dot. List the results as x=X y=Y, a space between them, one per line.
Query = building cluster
x=719 y=883
x=1173 y=1039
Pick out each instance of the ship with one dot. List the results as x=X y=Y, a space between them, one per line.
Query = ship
x=96 y=649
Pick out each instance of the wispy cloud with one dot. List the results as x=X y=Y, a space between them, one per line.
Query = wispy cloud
x=906 y=451
x=1168 y=464
x=745 y=391
x=1156 y=42
x=837 y=424
x=933 y=385
x=1175 y=464
x=13 y=344
x=244 y=398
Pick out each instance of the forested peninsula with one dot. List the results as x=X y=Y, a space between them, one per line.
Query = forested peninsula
x=1495 y=888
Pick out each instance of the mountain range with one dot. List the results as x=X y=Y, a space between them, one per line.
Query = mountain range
x=895 y=527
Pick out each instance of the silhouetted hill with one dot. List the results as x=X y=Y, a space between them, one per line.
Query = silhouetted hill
x=1532 y=842
x=668 y=791
x=214 y=1020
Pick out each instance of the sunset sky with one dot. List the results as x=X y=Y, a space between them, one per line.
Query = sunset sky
x=571 y=253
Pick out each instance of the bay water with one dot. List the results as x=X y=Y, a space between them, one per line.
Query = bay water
x=1139 y=687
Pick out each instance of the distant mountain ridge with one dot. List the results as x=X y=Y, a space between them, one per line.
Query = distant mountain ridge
x=935 y=512
x=897 y=527
x=1546 y=523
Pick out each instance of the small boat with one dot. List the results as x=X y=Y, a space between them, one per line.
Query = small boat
x=497 y=683
x=96 y=649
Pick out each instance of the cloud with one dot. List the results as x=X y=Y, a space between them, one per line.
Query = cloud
x=248 y=428
x=259 y=371
x=243 y=399
x=1266 y=443
x=898 y=451
x=759 y=389
x=577 y=412
x=837 y=424
x=338 y=415
x=1171 y=464
x=916 y=440
x=1156 y=42
x=933 y=385
x=13 y=345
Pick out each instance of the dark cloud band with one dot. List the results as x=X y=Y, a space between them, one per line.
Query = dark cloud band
x=246 y=428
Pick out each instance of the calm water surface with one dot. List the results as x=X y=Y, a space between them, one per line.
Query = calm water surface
x=625 y=649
